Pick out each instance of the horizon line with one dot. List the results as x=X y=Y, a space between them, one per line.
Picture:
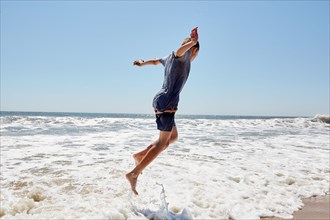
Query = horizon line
x=126 y=113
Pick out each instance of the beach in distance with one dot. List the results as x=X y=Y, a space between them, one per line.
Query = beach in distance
x=73 y=166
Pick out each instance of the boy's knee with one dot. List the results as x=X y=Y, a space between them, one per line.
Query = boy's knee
x=173 y=138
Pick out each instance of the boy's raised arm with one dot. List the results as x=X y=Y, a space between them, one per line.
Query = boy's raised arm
x=155 y=61
x=184 y=48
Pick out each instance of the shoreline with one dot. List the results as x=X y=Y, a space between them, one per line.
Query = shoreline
x=315 y=208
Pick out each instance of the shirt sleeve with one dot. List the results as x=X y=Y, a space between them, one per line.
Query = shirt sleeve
x=163 y=60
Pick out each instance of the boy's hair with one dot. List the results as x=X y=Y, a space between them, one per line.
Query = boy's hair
x=188 y=39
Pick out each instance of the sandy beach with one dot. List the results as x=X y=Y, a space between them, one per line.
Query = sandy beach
x=315 y=208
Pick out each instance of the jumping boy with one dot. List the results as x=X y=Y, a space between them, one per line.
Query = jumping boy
x=165 y=103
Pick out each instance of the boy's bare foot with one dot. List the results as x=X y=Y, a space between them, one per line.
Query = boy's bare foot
x=132 y=179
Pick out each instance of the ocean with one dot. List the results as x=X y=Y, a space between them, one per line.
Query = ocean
x=73 y=166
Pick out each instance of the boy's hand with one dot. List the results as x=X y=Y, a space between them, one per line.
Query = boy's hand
x=194 y=35
x=138 y=62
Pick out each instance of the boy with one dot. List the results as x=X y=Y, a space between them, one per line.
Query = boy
x=165 y=103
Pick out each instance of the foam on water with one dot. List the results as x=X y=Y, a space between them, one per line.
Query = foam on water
x=73 y=167
x=163 y=213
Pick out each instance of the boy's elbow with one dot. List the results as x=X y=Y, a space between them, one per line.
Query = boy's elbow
x=155 y=62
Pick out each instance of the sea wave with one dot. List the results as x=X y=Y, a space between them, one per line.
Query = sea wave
x=73 y=167
x=322 y=118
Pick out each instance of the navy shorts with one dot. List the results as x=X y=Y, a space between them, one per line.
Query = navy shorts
x=165 y=121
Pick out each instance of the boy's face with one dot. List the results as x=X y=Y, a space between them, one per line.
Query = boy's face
x=193 y=53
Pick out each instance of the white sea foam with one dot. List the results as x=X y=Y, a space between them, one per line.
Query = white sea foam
x=323 y=118
x=73 y=167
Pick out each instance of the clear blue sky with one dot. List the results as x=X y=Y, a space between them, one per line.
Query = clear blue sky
x=256 y=57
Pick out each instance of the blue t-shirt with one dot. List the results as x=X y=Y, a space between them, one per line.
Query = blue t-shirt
x=175 y=76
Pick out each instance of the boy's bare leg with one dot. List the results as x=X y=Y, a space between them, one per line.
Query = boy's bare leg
x=174 y=135
x=140 y=155
x=152 y=153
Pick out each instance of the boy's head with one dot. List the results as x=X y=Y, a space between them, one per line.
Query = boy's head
x=194 y=50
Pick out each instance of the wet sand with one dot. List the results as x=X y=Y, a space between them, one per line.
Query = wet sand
x=315 y=208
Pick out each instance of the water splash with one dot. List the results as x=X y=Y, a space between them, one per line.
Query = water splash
x=163 y=213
